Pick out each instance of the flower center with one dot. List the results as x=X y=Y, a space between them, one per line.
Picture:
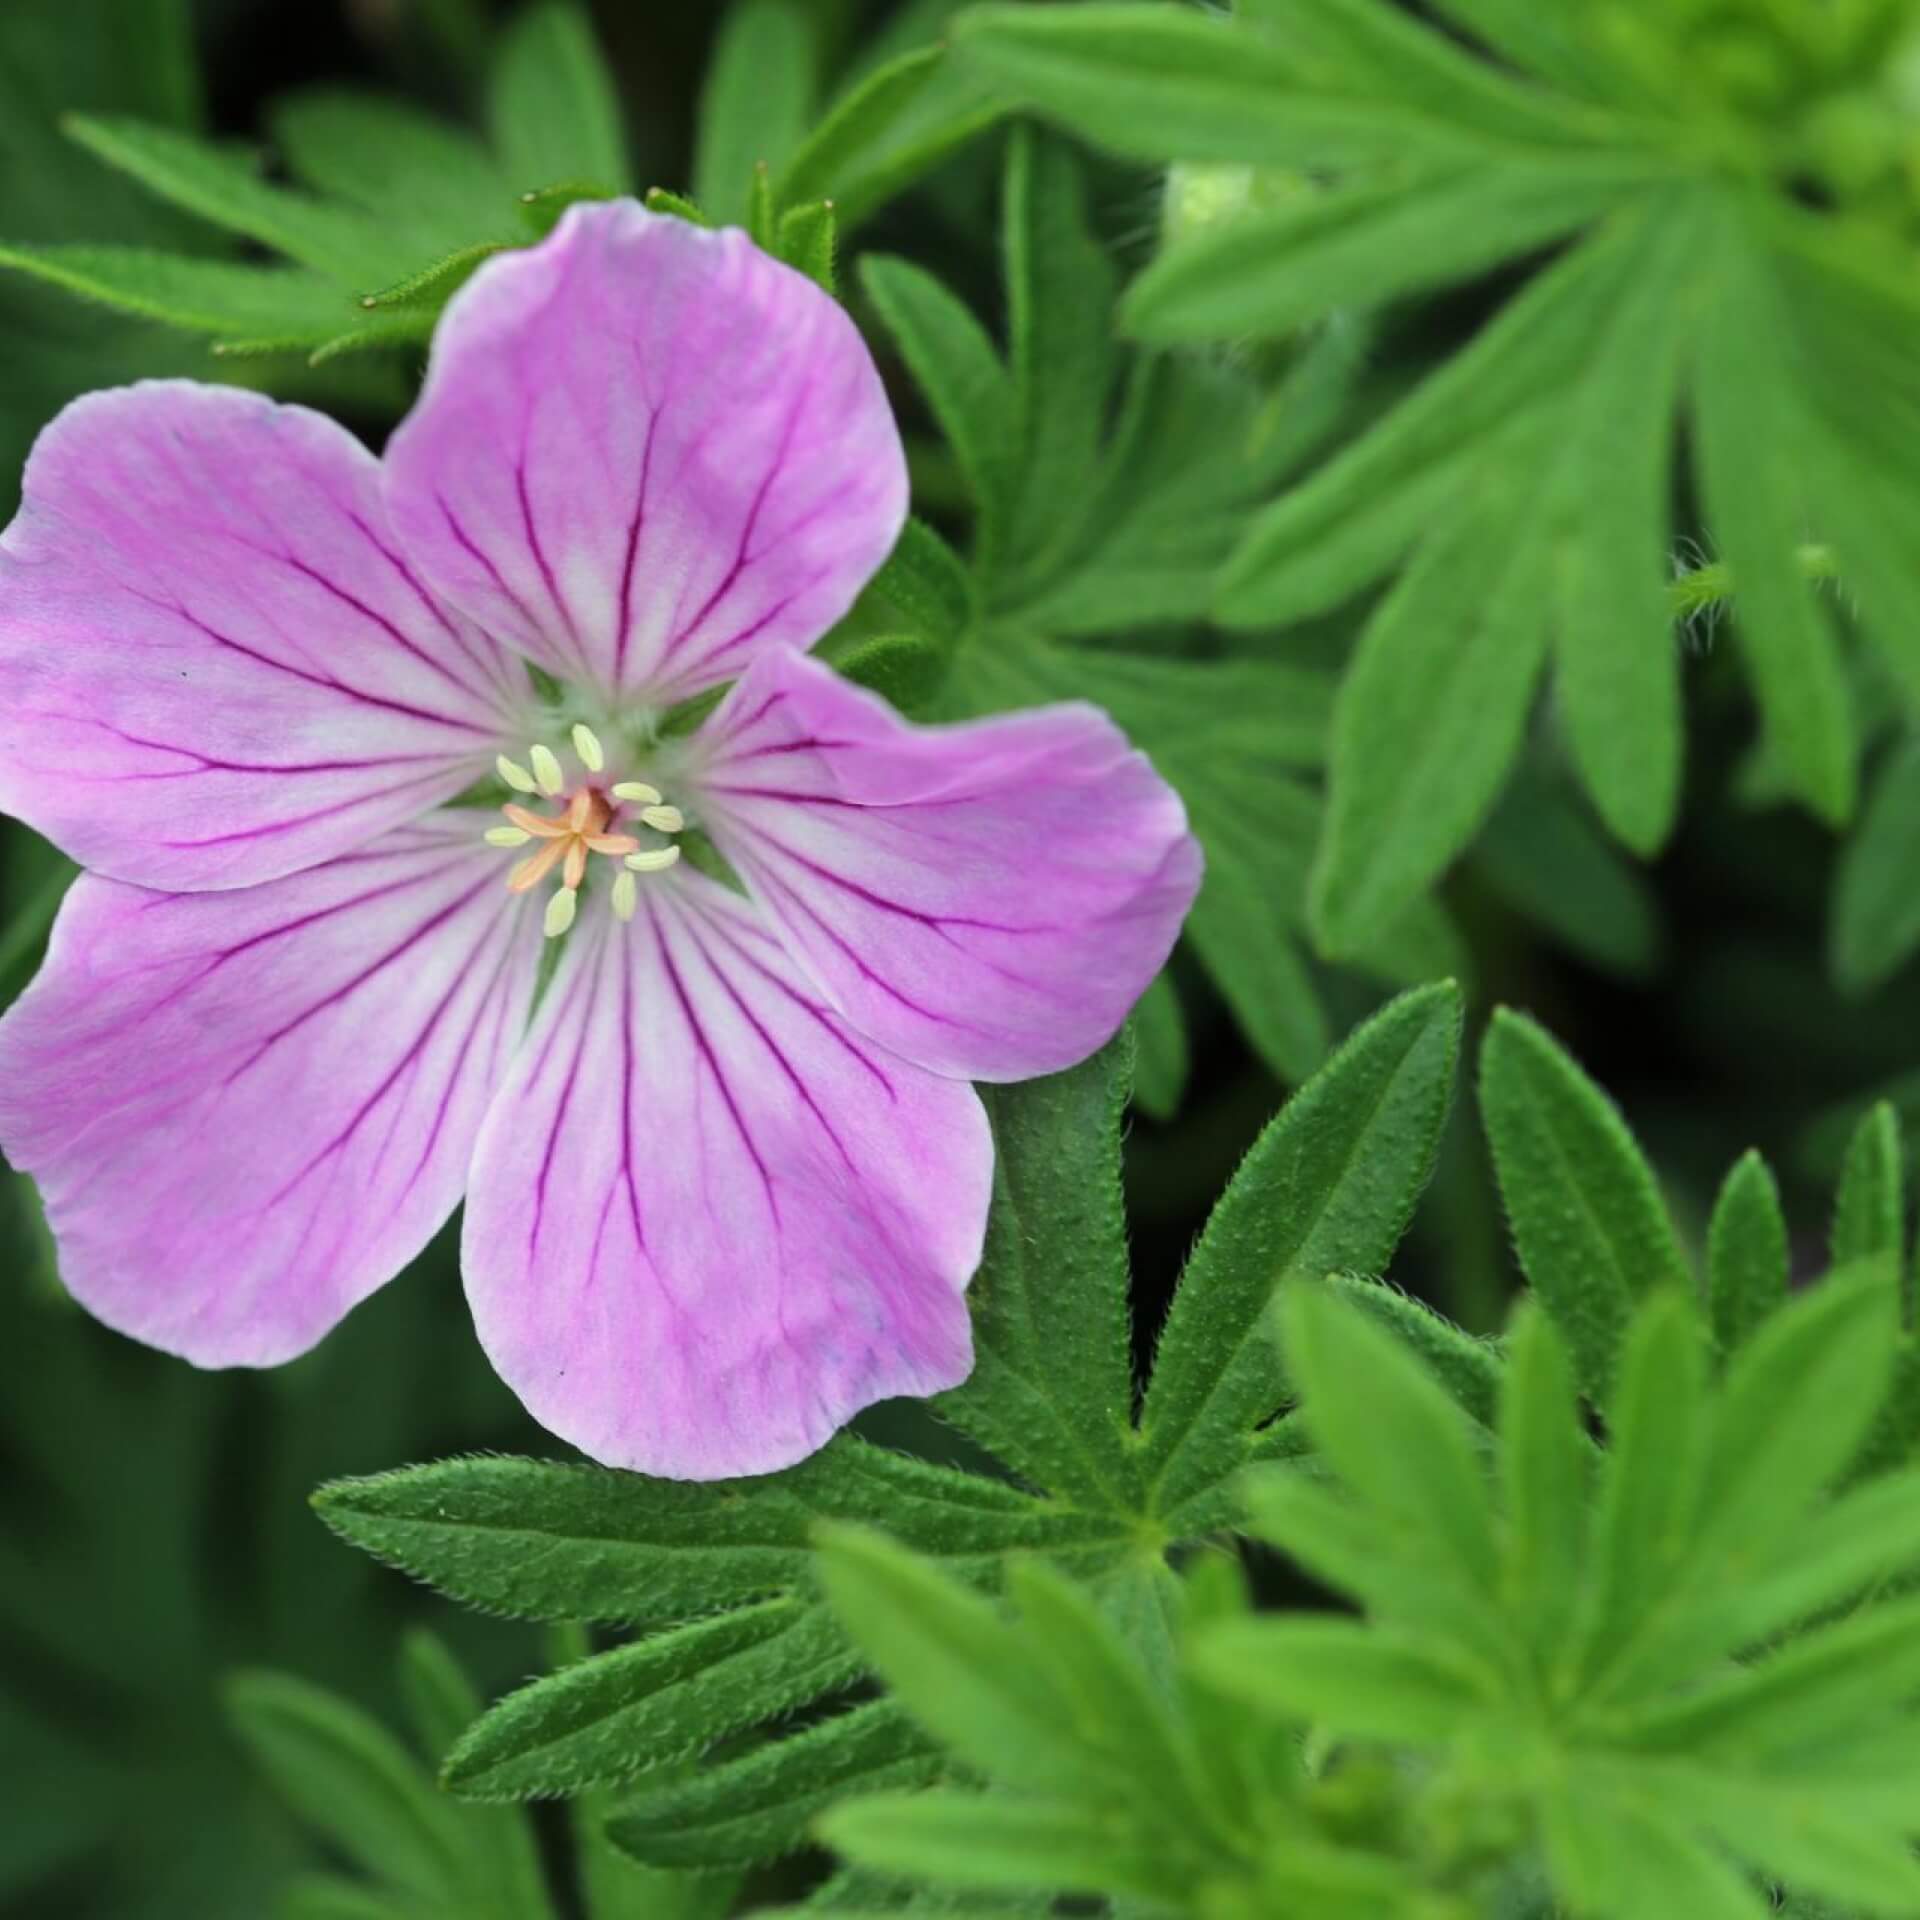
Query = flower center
x=567 y=840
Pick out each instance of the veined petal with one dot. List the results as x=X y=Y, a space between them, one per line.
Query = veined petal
x=646 y=452
x=219 y=667
x=247 y=1110
x=987 y=899
x=707 y=1222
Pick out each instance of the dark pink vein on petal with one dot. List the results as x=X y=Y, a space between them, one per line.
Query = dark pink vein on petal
x=719 y=1077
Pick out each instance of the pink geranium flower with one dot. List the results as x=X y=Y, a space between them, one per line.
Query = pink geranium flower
x=725 y=1177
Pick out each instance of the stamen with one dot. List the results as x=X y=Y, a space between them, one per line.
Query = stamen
x=536 y=866
x=516 y=776
x=586 y=743
x=654 y=860
x=625 y=896
x=507 y=836
x=560 y=911
x=638 y=792
x=546 y=770
x=542 y=826
x=667 y=819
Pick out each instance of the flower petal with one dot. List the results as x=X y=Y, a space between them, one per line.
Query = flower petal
x=219 y=667
x=707 y=1224
x=247 y=1110
x=987 y=899
x=646 y=452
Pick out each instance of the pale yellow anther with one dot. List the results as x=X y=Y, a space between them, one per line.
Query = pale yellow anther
x=546 y=771
x=507 y=837
x=560 y=911
x=654 y=860
x=586 y=743
x=625 y=896
x=514 y=774
x=666 y=819
x=638 y=792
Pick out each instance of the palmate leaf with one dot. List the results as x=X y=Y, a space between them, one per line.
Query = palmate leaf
x=722 y=1581
x=1055 y=559
x=1170 y=1798
x=1697 y=285
x=1574 y=1663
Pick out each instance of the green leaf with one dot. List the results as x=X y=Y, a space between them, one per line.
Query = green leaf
x=662 y=1698
x=1328 y=1187
x=223 y=187
x=323 y=1897
x=1467 y=1367
x=1870 y=1210
x=502 y=1854
x=1616 y=657
x=546 y=1541
x=348 y=1778
x=441 y=1701
x=1052 y=1387
x=204 y=296
x=829 y=160
x=432 y=286
x=1432 y=709
x=955 y=366
x=754 y=1807
x=1544 y=1480
x=755 y=104
x=1750 y=432
x=1369 y=1683
x=808 y=239
x=1387 y=1427
x=1629 y=1858
x=1592 y=1232
x=1353 y=519
x=1256 y=828
x=1797 y=1401
x=1360 y=246
x=1875 y=921
x=1161 y=1060
x=1659 y=1418
x=897 y=121
x=1747 y=1254
x=1170 y=83
x=425 y=179
x=1830 y=1350
x=1817 y=1690
x=925 y=580
x=552 y=104
x=1543 y=856
x=952 y=1661
x=987 y=1840
x=905 y=669
x=1060 y=293
x=1114 y=1704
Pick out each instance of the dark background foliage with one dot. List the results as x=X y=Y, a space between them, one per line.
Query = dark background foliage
x=154 y=1530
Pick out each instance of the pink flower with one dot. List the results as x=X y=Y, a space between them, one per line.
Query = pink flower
x=725 y=1177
